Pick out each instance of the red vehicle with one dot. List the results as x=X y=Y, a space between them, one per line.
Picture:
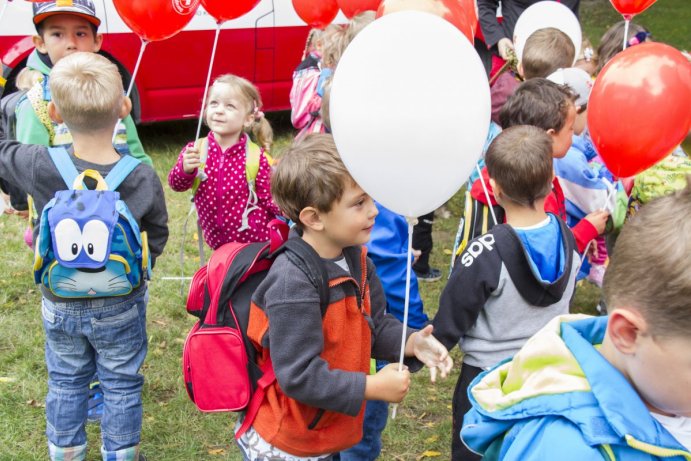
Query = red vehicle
x=263 y=46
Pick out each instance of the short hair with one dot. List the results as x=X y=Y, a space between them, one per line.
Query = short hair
x=87 y=90
x=310 y=174
x=613 y=39
x=326 y=100
x=545 y=51
x=538 y=102
x=520 y=162
x=664 y=228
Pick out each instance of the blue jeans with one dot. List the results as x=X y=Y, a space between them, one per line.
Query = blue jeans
x=107 y=336
x=376 y=414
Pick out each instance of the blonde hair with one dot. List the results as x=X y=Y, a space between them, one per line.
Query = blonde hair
x=261 y=128
x=27 y=78
x=663 y=299
x=545 y=51
x=87 y=90
x=324 y=109
x=310 y=174
x=337 y=38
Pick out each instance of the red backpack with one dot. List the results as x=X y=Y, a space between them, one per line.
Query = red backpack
x=219 y=361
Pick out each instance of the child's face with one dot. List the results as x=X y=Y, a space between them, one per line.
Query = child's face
x=561 y=140
x=64 y=34
x=350 y=220
x=226 y=112
x=660 y=370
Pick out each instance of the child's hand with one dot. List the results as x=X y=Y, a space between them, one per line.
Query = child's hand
x=191 y=160
x=599 y=220
x=416 y=255
x=430 y=352
x=389 y=384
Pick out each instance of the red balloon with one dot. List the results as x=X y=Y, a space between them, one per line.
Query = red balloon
x=470 y=9
x=640 y=107
x=225 y=10
x=156 y=20
x=354 y=7
x=316 y=13
x=451 y=10
x=629 y=8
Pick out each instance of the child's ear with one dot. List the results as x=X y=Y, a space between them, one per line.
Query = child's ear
x=126 y=107
x=39 y=44
x=311 y=219
x=54 y=113
x=98 y=41
x=519 y=69
x=624 y=328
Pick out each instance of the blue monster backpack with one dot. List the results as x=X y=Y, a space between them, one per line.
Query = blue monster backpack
x=89 y=244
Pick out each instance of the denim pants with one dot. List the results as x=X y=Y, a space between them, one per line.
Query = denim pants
x=107 y=336
x=369 y=448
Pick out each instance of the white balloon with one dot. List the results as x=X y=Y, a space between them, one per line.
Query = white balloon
x=546 y=14
x=410 y=111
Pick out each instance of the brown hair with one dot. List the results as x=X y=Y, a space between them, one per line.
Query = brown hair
x=520 y=162
x=545 y=51
x=612 y=41
x=538 y=102
x=337 y=38
x=310 y=174
x=261 y=128
x=326 y=100
x=87 y=90
x=657 y=280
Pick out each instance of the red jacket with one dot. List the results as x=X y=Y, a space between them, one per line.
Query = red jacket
x=584 y=231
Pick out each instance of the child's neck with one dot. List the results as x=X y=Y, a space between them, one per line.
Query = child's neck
x=523 y=216
x=227 y=140
x=95 y=147
x=325 y=249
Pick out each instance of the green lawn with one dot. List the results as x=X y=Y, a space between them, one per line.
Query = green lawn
x=173 y=429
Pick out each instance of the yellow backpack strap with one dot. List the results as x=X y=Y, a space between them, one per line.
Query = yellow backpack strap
x=40 y=106
x=202 y=145
x=467 y=224
x=252 y=153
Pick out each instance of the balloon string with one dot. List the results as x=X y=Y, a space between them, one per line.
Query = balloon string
x=132 y=78
x=208 y=79
x=626 y=32
x=411 y=223
x=484 y=188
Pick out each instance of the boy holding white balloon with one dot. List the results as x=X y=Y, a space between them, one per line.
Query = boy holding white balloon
x=321 y=360
x=513 y=280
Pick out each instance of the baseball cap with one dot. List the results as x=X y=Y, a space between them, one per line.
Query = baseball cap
x=577 y=80
x=82 y=8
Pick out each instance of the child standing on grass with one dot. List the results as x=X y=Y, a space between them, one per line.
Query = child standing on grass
x=321 y=360
x=96 y=331
x=230 y=174
x=512 y=281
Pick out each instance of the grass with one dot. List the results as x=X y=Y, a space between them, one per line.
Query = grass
x=173 y=429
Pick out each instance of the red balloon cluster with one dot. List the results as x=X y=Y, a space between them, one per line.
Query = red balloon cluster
x=630 y=8
x=352 y=8
x=453 y=11
x=155 y=20
x=224 y=10
x=317 y=14
x=638 y=110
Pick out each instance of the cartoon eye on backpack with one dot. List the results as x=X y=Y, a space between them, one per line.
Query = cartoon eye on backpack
x=89 y=244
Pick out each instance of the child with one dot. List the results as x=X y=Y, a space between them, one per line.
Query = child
x=604 y=388
x=587 y=58
x=108 y=333
x=545 y=104
x=304 y=102
x=316 y=405
x=63 y=27
x=232 y=206
x=545 y=51
x=612 y=41
x=510 y=282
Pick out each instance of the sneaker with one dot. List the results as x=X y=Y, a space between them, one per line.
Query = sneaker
x=597 y=274
x=432 y=275
x=95 y=412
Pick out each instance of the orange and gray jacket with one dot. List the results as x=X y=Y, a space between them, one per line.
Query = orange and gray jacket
x=316 y=404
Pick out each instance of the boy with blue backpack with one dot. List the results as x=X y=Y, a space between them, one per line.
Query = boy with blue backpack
x=92 y=262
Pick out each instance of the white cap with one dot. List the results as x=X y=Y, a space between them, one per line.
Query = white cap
x=577 y=80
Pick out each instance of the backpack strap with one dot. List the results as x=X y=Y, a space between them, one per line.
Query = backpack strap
x=202 y=145
x=36 y=97
x=310 y=263
x=121 y=170
x=64 y=164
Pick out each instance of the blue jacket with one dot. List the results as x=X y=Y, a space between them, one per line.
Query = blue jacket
x=570 y=405
x=388 y=250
